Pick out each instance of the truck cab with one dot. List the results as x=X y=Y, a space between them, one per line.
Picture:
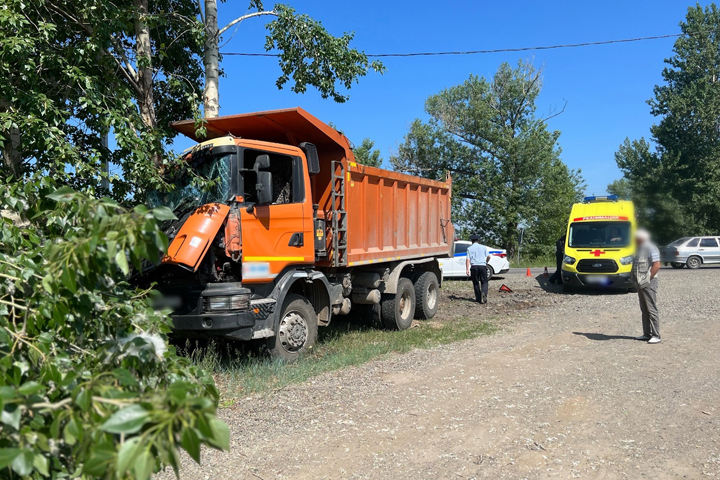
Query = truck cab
x=599 y=245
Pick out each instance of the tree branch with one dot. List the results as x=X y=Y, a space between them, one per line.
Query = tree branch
x=245 y=17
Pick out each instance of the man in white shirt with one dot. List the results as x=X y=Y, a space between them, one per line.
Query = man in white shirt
x=476 y=266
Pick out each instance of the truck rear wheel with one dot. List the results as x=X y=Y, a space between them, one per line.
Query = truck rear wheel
x=397 y=311
x=296 y=331
x=427 y=293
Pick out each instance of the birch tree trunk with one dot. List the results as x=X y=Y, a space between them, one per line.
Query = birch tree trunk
x=144 y=64
x=211 y=97
x=146 y=100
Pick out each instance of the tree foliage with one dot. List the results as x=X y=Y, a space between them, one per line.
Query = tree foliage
x=676 y=185
x=88 y=386
x=505 y=163
x=367 y=154
x=308 y=54
x=72 y=73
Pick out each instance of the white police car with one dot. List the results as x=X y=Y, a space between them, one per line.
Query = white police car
x=455 y=267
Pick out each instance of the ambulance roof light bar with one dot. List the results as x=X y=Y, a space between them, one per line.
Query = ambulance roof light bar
x=601 y=198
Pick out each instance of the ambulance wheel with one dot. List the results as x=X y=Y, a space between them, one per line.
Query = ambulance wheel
x=427 y=296
x=694 y=262
x=296 y=331
x=397 y=311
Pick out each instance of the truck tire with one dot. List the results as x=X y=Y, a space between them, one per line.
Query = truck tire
x=427 y=293
x=694 y=262
x=397 y=311
x=296 y=331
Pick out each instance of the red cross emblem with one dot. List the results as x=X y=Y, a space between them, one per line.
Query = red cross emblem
x=597 y=253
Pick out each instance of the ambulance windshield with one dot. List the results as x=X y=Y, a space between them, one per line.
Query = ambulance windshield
x=612 y=234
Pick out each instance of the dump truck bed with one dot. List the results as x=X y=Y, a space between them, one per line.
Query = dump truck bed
x=392 y=216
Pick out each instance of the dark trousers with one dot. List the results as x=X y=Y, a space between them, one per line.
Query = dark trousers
x=648 y=306
x=557 y=276
x=478 y=275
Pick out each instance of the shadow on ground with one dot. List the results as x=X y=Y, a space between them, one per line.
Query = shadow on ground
x=603 y=337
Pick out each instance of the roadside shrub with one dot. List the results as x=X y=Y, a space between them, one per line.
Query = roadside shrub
x=89 y=387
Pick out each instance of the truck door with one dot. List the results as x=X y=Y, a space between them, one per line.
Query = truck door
x=280 y=233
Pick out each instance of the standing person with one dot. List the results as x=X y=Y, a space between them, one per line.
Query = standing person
x=559 y=256
x=476 y=265
x=644 y=275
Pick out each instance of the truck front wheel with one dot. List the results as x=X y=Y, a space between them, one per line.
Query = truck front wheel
x=397 y=310
x=296 y=331
x=427 y=296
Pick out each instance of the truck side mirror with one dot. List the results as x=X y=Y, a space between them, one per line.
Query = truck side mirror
x=262 y=162
x=264 y=187
x=312 y=157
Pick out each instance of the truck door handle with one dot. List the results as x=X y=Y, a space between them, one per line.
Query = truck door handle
x=297 y=240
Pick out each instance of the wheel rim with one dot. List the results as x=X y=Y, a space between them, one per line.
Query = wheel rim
x=405 y=304
x=293 y=332
x=489 y=272
x=432 y=296
x=693 y=262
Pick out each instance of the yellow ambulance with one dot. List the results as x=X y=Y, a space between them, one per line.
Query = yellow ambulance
x=599 y=246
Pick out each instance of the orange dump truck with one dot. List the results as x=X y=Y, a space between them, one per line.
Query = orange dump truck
x=293 y=232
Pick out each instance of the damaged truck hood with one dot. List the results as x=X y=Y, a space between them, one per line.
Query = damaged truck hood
x=192 y=241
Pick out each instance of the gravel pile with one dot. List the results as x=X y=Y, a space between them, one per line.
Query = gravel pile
x=562 y=391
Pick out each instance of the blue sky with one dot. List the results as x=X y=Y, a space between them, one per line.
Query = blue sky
x=606 y=87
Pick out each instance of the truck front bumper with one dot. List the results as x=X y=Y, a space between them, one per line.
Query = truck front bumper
x=615 y=280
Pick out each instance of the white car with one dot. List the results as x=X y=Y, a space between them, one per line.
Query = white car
x=455 y=267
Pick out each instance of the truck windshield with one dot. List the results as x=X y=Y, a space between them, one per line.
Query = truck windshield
x=599 y=234
x=188 y=193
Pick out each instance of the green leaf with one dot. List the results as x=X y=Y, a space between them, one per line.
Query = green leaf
x=163 y=213
x=221 y=433
x=41 y=464
x=63 y=194
x=11 y=418
x=127 y=420
x=22 y=464
x=84 y=399
x=29 y=388
x=191 y=443
x=125 y=377
x=121 y=261
x=67 y=277
x=144 y=465
x=7 y=455
x=127 y=454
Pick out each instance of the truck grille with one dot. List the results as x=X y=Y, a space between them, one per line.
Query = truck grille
x=597 y=266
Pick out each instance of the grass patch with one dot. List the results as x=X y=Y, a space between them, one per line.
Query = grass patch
x=344 y=343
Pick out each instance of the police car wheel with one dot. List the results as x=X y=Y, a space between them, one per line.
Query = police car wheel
x=490 y=272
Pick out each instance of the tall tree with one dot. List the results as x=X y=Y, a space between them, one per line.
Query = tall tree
x=367 y=154
x=73 y=71
x=505 y=162
x=308 y=54
x=677 y=184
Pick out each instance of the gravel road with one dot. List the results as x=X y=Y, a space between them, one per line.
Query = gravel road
x=561 y=391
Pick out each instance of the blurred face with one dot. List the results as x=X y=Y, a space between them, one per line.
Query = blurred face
x=639 y=241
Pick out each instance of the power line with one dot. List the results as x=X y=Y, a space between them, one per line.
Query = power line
x=475 y=52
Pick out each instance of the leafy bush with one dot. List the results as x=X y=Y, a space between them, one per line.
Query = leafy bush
x=89 y=387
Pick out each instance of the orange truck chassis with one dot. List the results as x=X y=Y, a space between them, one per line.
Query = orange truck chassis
x=293 y=232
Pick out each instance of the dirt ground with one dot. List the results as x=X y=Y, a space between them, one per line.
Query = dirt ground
x=561 y=391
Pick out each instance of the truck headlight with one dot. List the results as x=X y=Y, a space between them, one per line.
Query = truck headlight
x=233 y=302
x=626 y=260
x=569 y=260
